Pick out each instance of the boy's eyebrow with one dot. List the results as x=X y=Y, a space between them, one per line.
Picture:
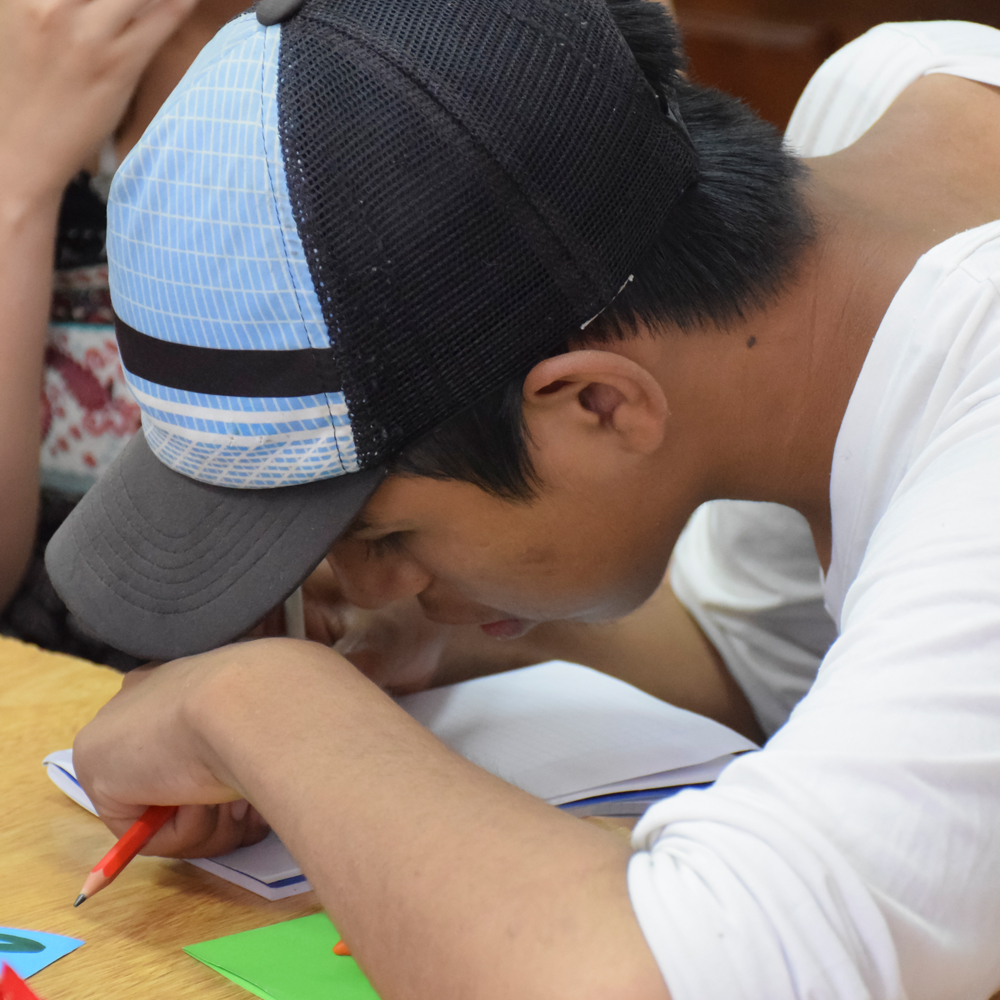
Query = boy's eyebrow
x=362 y=524
x=359 y=524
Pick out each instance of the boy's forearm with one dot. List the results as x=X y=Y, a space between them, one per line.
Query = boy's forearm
x=445 y=881
x=658 y=648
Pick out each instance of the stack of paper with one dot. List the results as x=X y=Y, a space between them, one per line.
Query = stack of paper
x=577 y=738
x=571 y=735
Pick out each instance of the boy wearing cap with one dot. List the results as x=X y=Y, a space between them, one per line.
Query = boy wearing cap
x=492 y=352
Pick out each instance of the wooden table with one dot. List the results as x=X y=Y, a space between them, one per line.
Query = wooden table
x=135 y=930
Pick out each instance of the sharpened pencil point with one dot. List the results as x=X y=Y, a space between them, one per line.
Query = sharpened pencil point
x=79 y=899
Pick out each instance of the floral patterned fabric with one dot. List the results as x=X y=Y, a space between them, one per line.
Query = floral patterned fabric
x=87 y=413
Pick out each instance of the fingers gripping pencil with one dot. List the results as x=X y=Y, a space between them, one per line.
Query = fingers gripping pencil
x=129 y=845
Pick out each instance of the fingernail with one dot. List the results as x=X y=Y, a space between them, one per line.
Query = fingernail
x=239 y=808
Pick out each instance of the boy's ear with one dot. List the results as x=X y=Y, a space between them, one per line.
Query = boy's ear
x=590 y=392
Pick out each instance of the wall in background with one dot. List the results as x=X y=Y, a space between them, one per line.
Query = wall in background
x=765 y=50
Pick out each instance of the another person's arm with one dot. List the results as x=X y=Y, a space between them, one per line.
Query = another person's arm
x=67 y=70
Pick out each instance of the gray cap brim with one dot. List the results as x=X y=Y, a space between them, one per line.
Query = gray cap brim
x=162 y=566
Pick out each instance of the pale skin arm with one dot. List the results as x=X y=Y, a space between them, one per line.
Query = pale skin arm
x=445 y=881
x=67 y=70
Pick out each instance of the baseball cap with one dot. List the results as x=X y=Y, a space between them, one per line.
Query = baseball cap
x=350 y=221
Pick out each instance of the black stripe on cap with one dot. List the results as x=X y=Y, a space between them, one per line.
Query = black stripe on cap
x=218 y=371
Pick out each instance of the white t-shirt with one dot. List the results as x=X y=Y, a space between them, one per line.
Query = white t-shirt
x=858 y=854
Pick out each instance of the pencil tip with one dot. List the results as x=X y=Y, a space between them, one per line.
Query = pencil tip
x=79 y=899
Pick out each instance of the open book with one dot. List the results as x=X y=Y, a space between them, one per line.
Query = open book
x=577 y=738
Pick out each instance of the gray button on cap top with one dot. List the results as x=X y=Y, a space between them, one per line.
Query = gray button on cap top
x=275 y=11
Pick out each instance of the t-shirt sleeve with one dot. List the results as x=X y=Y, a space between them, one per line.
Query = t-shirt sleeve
x=749 y=576
x=856 y=85
x=856 y=854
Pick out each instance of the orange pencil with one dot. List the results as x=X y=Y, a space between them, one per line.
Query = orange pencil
x=132 y=841
x=341 y=949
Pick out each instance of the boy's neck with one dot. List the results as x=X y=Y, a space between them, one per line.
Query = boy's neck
x=756 y=406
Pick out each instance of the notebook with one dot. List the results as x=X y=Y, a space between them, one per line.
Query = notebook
x=569 y=734
x=579 y=739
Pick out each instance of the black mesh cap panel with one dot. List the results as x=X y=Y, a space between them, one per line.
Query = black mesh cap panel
x=471 y=182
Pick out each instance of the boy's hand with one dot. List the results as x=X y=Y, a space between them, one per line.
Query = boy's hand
x=397 y=646
x=67 y=71
x=142 y=749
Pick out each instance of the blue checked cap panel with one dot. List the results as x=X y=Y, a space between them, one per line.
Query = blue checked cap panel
x=204 y=251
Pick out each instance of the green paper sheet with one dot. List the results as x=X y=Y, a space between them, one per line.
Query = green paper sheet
x=293 y=960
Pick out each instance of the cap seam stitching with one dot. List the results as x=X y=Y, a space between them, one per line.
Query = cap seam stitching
x=284 y=242
x=460 y=124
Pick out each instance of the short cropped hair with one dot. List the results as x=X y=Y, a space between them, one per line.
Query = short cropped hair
x=726 y=249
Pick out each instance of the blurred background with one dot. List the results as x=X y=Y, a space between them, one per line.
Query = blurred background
x=764 y=51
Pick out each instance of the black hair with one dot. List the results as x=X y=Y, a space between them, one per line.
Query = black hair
x=725 y=250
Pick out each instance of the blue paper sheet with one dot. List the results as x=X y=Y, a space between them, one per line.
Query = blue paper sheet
x=26 y=952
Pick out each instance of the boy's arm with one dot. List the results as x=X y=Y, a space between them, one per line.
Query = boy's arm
x=444 y=880
x=67 y=70
x=658 y=648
